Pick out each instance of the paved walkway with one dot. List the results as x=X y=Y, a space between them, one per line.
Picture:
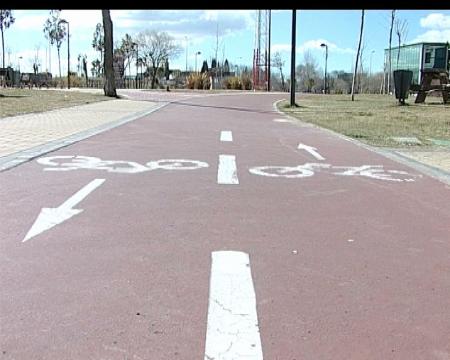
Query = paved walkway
x=25 y=137
x=22 y=132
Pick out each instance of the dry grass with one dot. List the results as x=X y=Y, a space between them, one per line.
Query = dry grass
x=374 y=119
x=23 y=101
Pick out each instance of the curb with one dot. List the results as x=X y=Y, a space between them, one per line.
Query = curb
x=15 y=159
x=429 y=170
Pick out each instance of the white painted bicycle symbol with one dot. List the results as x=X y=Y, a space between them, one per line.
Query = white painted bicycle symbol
x=306 y=170
x=70 y=163
x=61 y=163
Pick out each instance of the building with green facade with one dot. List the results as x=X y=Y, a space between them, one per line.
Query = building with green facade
x=418 y=57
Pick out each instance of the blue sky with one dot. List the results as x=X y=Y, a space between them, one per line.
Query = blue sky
x=197 y=29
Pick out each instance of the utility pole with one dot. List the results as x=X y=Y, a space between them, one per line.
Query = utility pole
x=269 y=63
x=186 y=38
x=294 y=21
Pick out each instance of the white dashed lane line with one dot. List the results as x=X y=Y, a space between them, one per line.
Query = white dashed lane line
x=232 y=329
x=226 y=136
x=227 y=171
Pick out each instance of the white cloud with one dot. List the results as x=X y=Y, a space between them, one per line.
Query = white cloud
x=78 y=19
x=180 y=23
x=27 y=21
x=436 y=21
x=312 y=45
x=433 y=36
x=439 y=25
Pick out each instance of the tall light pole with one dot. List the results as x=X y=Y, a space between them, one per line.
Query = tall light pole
x=62 y=21
x=197 y=53
x=326 y=62
x=370 y=69
x=269 y=62
x=186 y=38
x=20 y=57
x=294 y=22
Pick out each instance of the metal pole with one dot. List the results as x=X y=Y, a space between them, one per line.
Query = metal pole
x=68 y=56
x=294 y=18
x=370 y=70
x=186 y=38
x=326 y=63
x=269 y=65
x=137 y=65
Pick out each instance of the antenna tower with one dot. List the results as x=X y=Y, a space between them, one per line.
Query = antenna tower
x=261 y=50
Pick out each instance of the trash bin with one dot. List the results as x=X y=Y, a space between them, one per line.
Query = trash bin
x=402 y=84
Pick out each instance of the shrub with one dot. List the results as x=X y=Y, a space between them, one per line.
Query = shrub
x=246 y=82
x=198 y=81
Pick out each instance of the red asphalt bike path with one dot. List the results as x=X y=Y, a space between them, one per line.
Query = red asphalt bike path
x=128 y=278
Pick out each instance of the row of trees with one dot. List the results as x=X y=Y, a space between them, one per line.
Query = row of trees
x=149 y=50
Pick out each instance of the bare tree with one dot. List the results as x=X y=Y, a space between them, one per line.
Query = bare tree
x=128 y=49
x=110 y=83
x=98 y=43
x=6 y=20
x=401 y=29
x=357 y=54
x=307 y=72
x=390 y=54
x=156 y=48
x=55 y=32
x=279 y=63
x=36 y=62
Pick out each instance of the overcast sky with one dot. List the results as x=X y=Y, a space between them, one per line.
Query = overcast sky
x=195 y=30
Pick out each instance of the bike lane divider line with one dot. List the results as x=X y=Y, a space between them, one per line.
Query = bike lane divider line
x=50 y=217
x=232 y=326
x=226 y=135
x=227 y=171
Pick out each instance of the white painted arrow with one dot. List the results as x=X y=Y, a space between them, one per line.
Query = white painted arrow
x=311 y=150
x=49 y=217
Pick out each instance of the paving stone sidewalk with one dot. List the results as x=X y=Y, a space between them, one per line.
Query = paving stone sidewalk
x=23 y=133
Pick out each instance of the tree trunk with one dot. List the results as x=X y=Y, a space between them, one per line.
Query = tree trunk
x=3 y=50
x=110 y=83
x=390 y=57
x=357 y=55
x=154 y=71
x=59 y=63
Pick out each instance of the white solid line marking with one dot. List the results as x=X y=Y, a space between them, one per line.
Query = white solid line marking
x=227 y=171
x=226 y=136
x=232 y=329
x=50 y=217
x=311 y=150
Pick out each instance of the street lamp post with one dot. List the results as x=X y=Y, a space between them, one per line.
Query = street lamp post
x=62 y=21
x=326 y=61
x=20 y=57
x=370 y=69
x=186 y=38
x=197 y=53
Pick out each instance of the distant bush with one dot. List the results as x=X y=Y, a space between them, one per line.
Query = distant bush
x=232 y=83
x=246 y=82
x=198 y=81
